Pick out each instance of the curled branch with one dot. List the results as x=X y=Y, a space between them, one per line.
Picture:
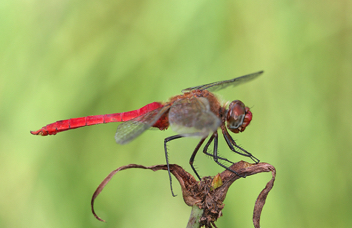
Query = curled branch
x=209 y=193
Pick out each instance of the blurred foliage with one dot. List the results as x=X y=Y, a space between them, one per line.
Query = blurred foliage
x=64 y=59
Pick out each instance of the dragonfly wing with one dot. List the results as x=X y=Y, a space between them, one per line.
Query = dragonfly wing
x=131 y=129
x=216 y=86
x=193 y=117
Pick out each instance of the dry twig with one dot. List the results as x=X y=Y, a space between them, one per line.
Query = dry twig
x=208 y=194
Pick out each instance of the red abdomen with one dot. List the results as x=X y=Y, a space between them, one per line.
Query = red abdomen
x=64 y=125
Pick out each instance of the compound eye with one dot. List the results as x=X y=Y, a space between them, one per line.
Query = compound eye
x=235 y=116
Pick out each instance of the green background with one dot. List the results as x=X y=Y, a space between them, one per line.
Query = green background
x=65 y=59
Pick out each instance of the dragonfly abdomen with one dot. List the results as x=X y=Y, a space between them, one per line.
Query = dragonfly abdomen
x=64 y=125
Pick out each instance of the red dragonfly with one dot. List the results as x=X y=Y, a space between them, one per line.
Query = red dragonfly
x=195 y=113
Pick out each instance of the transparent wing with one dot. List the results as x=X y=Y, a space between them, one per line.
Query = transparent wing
x=193 y=117
x=131 y=129
x=216 y=86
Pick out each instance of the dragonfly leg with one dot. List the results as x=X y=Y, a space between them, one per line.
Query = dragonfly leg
x=215 y=155
x=256 y=160
x=205 y=150
x=168 y=139
x=231 y=143
x=191 y=160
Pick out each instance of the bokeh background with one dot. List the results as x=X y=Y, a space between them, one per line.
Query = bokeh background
x=65 y=59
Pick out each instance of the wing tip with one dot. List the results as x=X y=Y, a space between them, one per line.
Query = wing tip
x=256 y=73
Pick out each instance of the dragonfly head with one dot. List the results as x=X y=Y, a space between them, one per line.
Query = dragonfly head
x=238 y=116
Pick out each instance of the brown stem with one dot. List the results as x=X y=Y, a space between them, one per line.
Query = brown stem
x=208 y=194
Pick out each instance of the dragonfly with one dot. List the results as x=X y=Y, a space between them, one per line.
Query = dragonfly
x=195 y=113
